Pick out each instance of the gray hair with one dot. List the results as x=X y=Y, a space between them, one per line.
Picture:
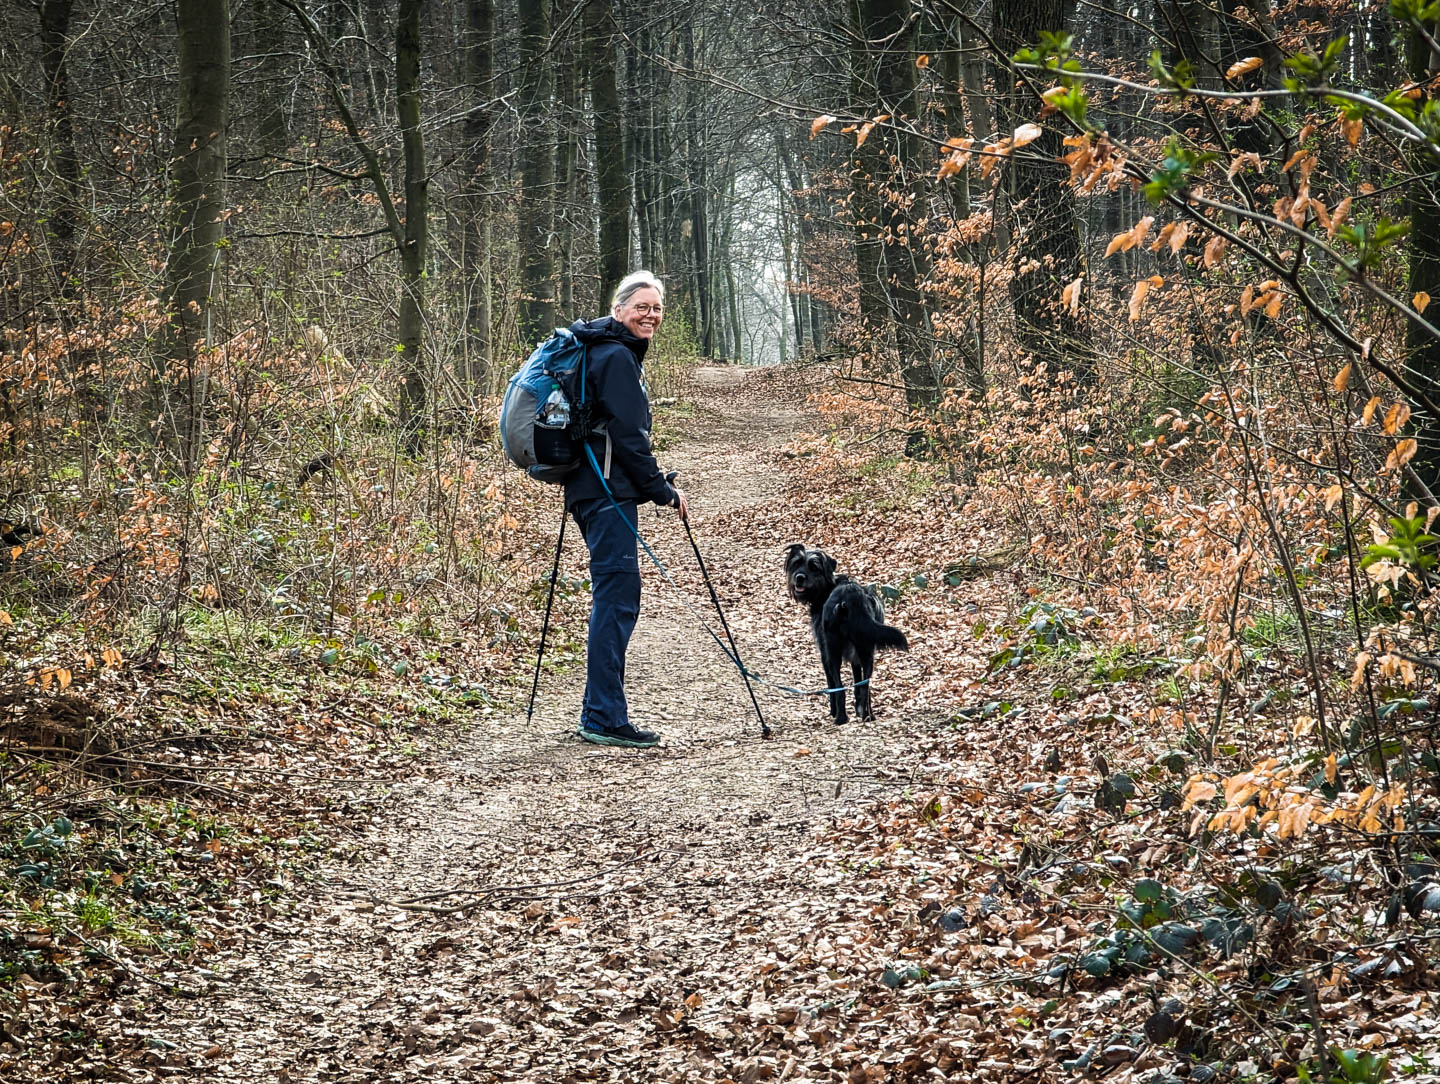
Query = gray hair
x=632 y=284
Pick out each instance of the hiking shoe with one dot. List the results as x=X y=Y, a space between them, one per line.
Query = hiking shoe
x=627 y=735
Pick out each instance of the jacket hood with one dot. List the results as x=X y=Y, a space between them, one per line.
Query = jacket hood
x=609 y=329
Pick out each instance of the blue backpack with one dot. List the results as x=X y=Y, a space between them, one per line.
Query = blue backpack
x=544 y=417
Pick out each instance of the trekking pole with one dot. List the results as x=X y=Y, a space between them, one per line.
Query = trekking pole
x=764 y=726
x=545 y=626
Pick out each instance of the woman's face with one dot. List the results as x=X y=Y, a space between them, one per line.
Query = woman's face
x=642 y=313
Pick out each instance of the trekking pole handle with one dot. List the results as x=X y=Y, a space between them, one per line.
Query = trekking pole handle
x=670 y=477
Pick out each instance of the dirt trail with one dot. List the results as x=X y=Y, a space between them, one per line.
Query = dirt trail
x=663 y=874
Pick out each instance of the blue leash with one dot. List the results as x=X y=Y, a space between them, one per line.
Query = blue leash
x=733 y=656
x=733 y=651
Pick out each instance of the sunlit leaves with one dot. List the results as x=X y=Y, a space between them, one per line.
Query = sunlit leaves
x=1177 y=167
x=1179 y=79
x=1055 y=54
x=1311 y=70
x=1070 y=295
x=1241 y=67
x=1141 y=291
x=957 y=154
x=1128 y=239
x=1371 y=239
x=1026 y=133
x=1415 y=11
x=820 y=123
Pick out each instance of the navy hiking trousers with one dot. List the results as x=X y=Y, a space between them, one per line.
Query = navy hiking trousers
x=614 y=607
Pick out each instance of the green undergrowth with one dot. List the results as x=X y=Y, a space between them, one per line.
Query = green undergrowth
x=133 y=883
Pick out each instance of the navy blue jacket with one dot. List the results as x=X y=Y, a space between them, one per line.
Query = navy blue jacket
x=615 y=391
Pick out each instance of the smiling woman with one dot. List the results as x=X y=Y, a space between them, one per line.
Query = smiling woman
x=604 y=494
x=640 y=304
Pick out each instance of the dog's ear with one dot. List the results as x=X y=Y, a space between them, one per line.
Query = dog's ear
x=829 y=562
x=793 y=549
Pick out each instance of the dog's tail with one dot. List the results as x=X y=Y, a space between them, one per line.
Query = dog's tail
x=878 y=634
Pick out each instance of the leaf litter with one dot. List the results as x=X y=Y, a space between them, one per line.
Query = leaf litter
x=990 y=882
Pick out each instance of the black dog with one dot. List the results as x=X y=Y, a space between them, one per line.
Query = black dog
x=848 y=622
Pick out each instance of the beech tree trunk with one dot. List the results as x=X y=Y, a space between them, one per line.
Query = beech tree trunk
x=1047 y=245
x=537 y=174
x=197 y=170
x=1422 y=347
x=867 y=167
x=612 y=176
x=889 y=27
x=412 y=251
x=480 y=74
x=64 y=220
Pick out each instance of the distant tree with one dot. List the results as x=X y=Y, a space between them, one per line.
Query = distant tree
x=197 y=169
x=537 y=172
x=475 y=186
x=889 y=28
x=1047 y=253
x=612 y=178
x=64 y=220
x=414 y=237
x=410 y=231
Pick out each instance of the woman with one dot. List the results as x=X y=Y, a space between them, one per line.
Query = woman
x=620 y=420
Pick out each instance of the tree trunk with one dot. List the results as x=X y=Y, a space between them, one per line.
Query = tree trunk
x=568 y=91
x=475 y=258
x=638 y=133
x=536 y=310
x=952 y=100
x=612 y=178
x=1047 y=248
x=64 y=220
x=1424 y=205
x=867 y=164
x=197 y=170
x=412 y=253
x=698 y=211
x=890 y=30
x=267 y=31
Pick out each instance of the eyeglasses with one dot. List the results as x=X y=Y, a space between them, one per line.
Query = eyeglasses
x=645 y=309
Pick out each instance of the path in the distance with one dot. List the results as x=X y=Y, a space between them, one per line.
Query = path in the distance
x=661 y=876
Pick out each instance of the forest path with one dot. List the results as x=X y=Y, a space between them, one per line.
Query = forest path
x=635 y=894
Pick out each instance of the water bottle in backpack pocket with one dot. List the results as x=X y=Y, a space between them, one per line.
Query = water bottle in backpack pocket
x=554 y=445
x=544 y=418
x=537 y=416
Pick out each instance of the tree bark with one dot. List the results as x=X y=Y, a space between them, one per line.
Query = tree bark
x=612 y=176
x=1423 y=349
x=867 y=167
x=197 y=171
x=475 y=259
x=537 y=173
x=889 y=26
x=65 y=218
x=1047 y=245
x=569 y=88
x=267 y=26
x=416 y=222
x=695 y=168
